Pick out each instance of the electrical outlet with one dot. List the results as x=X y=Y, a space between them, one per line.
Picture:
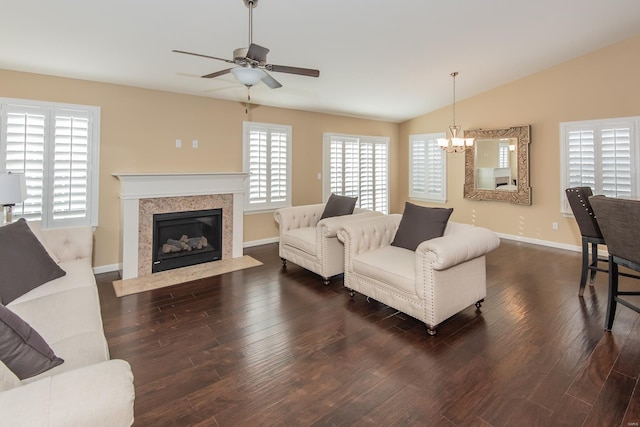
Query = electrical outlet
x=554 y=225
x=178 y=143
x=194 y=143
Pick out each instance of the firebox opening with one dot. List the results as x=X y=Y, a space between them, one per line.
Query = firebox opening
x=181 y=239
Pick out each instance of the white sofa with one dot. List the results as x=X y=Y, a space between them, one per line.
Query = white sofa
x=312 y=243
x=87 y=389
x=442 y=277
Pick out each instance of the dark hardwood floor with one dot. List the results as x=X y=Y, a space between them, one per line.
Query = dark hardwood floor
x=267 y=346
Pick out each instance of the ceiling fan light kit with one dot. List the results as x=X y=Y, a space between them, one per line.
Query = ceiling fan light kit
x=252 y=63
x=455 y=144
x=248 y=76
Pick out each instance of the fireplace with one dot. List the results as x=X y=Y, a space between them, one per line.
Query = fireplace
x=186 y=238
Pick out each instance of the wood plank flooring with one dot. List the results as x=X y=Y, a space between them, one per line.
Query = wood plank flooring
x=267 y=346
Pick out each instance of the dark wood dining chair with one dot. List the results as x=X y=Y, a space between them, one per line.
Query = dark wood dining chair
x=619 y=220
x=578 y=198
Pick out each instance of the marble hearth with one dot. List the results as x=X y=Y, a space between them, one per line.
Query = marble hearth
x=143 y=195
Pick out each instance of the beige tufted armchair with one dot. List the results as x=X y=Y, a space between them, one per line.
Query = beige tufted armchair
x=312 y=243
x=442 y=277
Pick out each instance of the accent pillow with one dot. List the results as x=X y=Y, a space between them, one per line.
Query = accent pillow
x=24 y=262
x=338 y=206
x=22 y=349
x=420 y=223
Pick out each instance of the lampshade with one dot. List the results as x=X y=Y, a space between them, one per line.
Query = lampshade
x=13 y=188
x=248 y=76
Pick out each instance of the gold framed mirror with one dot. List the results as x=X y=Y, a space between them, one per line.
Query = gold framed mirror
x=497 y=167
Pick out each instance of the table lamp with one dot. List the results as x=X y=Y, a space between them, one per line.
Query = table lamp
x=12 y=191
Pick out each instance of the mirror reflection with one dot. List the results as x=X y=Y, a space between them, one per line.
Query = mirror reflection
x=496 y=164
x=497 y=168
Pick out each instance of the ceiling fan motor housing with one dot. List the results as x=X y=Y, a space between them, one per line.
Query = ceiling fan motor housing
x=240 y=54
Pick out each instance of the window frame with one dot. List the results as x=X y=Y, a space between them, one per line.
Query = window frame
x=597 y=126
x=432 y=140
x=267 y=206
x=51 y=111
x=328 y=138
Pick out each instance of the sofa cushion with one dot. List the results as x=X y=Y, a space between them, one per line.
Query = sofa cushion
x=301 y=238
x=420 y=223
x=22 y=349
x=338 y=206
x=24 y=262
x=8 y=379
x=388 y=264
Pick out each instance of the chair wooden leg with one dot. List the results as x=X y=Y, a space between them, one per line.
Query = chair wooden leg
x=585 y=265
x=594 y=263
x=613 y=293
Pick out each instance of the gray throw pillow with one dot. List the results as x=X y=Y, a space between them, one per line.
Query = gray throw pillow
x=338 y=206
x=22 y=349
x=24 y=262
x=420 y=223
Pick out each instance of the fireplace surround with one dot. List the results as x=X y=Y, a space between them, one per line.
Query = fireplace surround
x=144 y=194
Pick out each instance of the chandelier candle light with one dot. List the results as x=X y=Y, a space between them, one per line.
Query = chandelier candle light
x=455 y=144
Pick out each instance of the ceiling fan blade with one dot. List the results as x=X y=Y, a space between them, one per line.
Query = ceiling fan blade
x=257 y=53
x=293 y=70
x=216 y=74
x=203 y=56
x=270 y=81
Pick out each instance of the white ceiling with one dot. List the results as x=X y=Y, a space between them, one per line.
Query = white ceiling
x=380 y=59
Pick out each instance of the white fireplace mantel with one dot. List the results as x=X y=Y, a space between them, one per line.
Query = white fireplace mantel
x=136 y=186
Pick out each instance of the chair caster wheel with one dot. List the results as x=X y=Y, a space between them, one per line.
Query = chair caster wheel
x=326 y=281
x=479 y=303
x=352 y=293
x=431 y=330
x=284 y=262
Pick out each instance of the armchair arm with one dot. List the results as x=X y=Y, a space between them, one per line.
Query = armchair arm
x=466 y=243
x=329 y=227
x=69 y=243
x=298 y=216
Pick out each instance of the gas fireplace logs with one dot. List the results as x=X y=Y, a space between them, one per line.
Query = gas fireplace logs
x=184 y=244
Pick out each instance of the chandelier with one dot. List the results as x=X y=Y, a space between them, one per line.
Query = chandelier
x=455 y=144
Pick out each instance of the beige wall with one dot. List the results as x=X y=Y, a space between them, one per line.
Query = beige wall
x=139 y=128
x=603 y=84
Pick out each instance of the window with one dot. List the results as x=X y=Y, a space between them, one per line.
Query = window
x=427 y=168
x=267 y=158
x=503 y=155
x=57 y=147
x=601 y=154
x=357 y=166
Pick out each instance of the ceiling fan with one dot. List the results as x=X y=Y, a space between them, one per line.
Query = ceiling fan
x=252 y=63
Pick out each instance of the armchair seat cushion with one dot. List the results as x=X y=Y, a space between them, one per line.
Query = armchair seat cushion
x=389 y=264
x=302 y=238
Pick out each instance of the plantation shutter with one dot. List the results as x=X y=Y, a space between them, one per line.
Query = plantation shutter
x=71 y=165
x=267 y=159
x=427 y=168
x=56 y=148
x=503 y=155
x=25 y=153
x=600 y=154
x=358 y=167
x=616 y=162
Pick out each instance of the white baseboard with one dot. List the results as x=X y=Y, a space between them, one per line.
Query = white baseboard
x=252 y=243
x=540 y=242
x=260 y=242
x=107 y=268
